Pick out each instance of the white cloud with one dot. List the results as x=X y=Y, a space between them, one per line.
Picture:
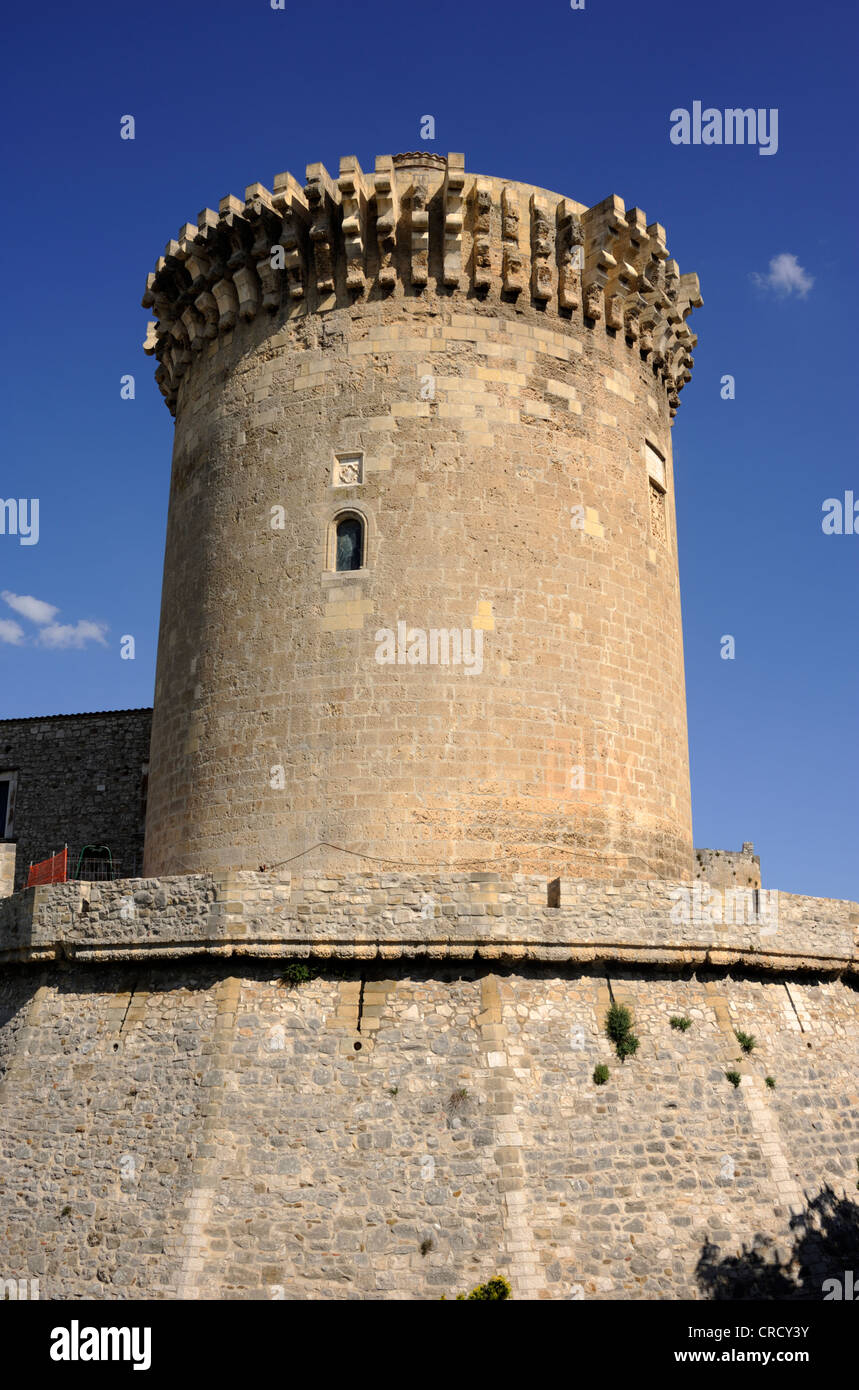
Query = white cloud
x=10 y=631
x=785 y=276
x=60 y=635
x=33 y=608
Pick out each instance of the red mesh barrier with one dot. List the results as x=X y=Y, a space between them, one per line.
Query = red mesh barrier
x=53 y=870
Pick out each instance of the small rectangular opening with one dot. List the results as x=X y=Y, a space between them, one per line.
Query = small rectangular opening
x=655 y=465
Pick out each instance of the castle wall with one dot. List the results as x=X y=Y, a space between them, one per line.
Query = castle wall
x=456 y=916
x=205 y=1130
x=728 y=868
x=80 y=780
x=227 y=1080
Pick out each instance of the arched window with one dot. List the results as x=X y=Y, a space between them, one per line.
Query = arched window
x=349 y=543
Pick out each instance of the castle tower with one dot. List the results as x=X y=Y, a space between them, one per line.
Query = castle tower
x=421 y=594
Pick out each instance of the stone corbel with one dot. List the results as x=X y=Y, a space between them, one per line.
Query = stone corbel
x=387 y=218
x=512 y=260
x=541 y=249
x=569 y=242
x=291 y=204
x=482 y=204
x=267 y=225
x=604 y=227
x=248 y=290
x=420 y=232
x=454 y=182
x=228 y=304
x=354 y=196
x=323 y=201
x=232 y=221
x=207 y=305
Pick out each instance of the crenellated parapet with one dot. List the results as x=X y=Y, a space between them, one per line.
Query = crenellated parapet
x=418 y=225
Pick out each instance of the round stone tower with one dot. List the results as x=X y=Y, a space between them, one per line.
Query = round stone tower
x=421 y=595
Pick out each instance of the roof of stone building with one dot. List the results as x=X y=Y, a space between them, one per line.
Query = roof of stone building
x=81 y=714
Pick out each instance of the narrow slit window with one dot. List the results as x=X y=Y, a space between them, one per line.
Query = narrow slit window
x=8 y=783
x=657 y=484
x=655 y=466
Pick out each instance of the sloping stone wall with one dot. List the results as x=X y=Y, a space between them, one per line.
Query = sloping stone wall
x=208 y=1130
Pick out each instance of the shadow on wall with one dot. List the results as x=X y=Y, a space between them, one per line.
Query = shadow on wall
x=823 y=1263
x=16 y=997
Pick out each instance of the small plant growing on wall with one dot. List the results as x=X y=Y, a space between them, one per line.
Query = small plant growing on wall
x=618 y=1026
x=601 y=1074
x=769 y=1082
x=734 y=1077
x=456 y=1100
x=426 y=1245
x=295 y=974
x=746 y=1040
x=680 y=1022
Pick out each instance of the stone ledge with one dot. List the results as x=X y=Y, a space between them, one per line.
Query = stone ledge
x=610 y=953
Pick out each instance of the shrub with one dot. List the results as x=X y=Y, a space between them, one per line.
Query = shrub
x=493 y=1290
x=734 y=1077
x=746 y=1040
x=618 y=1026
x=680 y=1022
x=295 y=974
x=770 y=1082
x=601 y=1074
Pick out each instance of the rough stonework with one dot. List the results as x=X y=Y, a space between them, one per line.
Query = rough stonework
x=80 y=779
x=499 y=366
x=452 y=917
x=7 y=868
x=277 y=1068
x=727 y=868
x=419 y=1112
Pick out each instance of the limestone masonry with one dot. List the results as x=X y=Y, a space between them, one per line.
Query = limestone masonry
x=418 y=806
x=483 y=374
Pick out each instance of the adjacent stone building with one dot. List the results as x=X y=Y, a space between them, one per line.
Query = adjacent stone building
x=77 y=780
x=421 y=606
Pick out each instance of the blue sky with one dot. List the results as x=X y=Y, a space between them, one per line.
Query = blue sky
x=224 y=94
